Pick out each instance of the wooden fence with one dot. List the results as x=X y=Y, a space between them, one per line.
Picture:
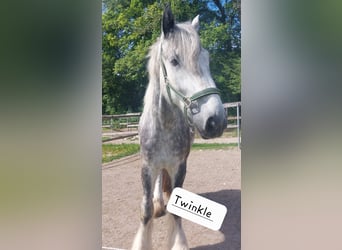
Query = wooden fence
x=236 y=118
x=130 y=121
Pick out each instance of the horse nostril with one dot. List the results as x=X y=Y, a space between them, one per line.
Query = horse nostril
x=210 y=126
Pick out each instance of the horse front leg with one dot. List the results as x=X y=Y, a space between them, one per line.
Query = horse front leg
x=177 y=239
x=158 y=201
x=143 y=238
x=163 y=184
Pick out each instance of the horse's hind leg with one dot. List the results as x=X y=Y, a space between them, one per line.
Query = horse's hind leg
x=177 y=239
x=143 y=238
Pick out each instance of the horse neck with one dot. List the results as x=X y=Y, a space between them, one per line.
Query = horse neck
x=158 y=105
x=156 y=98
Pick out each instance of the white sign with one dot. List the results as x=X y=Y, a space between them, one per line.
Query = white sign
x=196 y=208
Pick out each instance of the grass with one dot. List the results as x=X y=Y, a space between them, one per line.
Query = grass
x=116 y=151
x=204 y=146
x=230 y=132
x=112 y=152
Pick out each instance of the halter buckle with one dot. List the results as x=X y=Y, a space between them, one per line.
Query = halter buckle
x=194 y=108
x=187 y=101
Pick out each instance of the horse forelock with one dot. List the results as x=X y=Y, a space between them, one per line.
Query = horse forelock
x=186 y=42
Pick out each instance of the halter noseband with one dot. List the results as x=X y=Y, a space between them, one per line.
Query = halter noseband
x=190 y=103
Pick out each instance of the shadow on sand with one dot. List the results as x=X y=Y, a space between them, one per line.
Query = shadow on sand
x=231 y=226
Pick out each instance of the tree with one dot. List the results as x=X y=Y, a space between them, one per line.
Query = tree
x=221 y=35
x=130 y=28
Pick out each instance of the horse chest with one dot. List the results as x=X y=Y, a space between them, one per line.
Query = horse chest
x=165 y=147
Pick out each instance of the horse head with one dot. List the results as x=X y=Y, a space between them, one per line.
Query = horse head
x=186 y=75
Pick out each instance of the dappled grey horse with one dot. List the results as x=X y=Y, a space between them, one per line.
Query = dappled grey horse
x=181 y=96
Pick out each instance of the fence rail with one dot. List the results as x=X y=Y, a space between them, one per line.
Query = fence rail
x=129 y=115
x=128 y=121
x=131 y=120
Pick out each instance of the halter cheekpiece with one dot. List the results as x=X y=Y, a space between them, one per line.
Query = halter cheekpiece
x=190 y=103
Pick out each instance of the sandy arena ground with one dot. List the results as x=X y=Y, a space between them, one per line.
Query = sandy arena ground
x=214 y=174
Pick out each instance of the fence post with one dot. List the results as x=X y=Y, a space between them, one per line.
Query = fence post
x=238 y=118
x=238 y=123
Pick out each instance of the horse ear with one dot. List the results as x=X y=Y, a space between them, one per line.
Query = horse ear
x=195 y=23
x=168 y=21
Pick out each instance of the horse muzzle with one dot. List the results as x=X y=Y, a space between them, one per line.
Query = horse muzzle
x=214 y=127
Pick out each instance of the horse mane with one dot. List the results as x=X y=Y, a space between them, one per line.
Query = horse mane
x=153 y=67
x=186 y=42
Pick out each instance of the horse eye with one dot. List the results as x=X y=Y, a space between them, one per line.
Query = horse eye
x=174 y=62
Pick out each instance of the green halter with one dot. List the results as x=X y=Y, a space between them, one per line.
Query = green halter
x=189 y=102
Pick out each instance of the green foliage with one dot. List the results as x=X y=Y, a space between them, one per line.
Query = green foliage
x=224 y=60
x=129 y=28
